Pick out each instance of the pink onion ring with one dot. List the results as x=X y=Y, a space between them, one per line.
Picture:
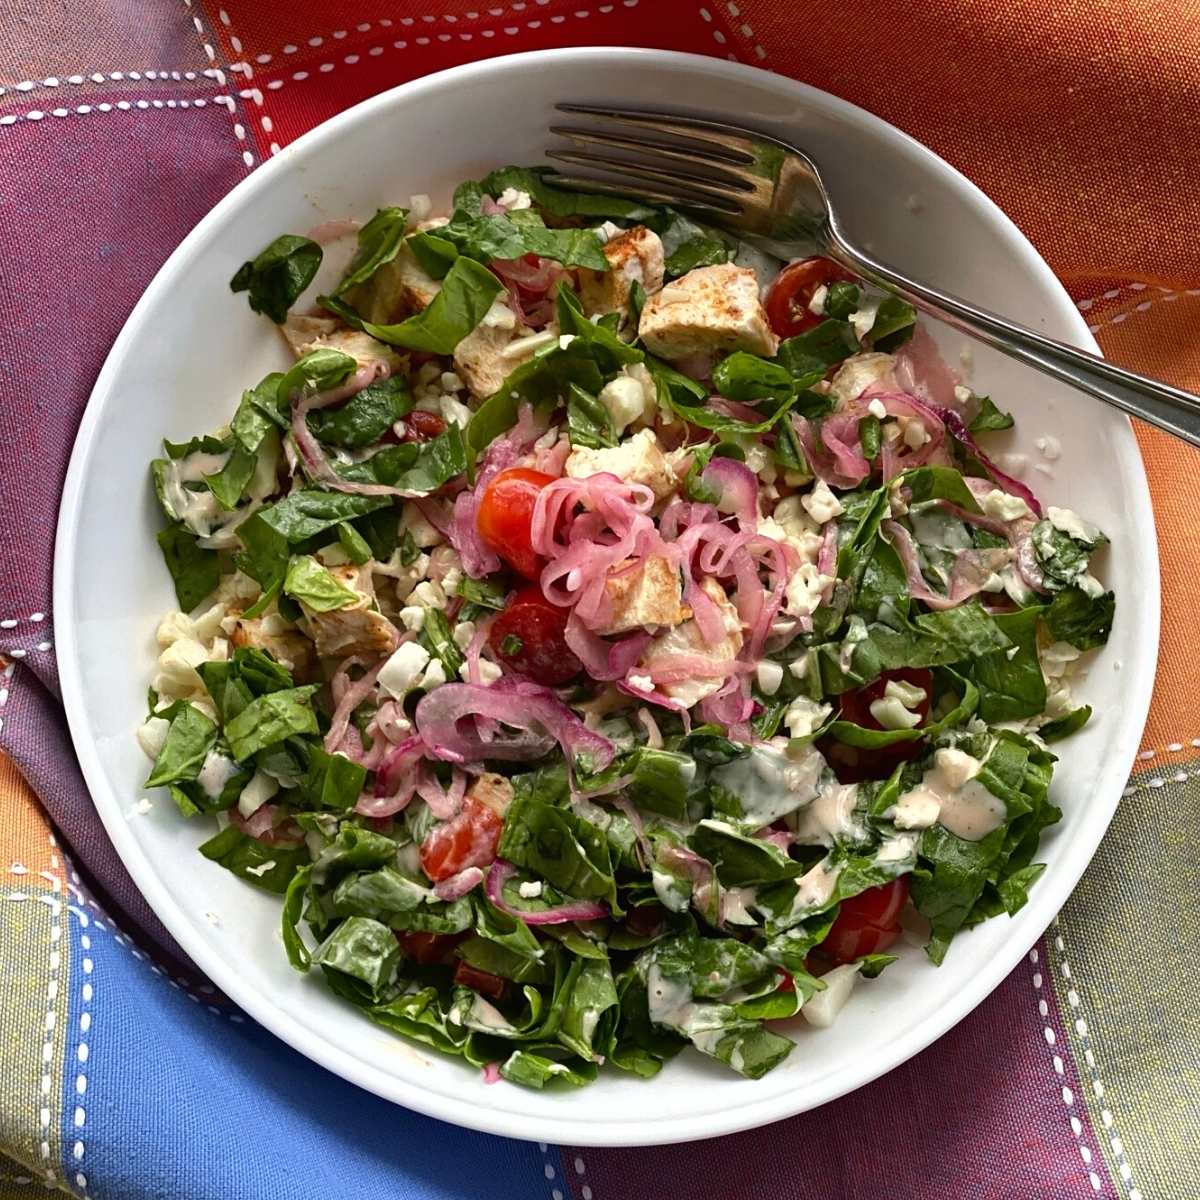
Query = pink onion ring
x=500 y=872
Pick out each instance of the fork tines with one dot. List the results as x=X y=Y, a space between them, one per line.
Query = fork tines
x=664 y=159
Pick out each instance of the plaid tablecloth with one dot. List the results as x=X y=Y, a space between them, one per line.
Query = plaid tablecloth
x=124 y=1075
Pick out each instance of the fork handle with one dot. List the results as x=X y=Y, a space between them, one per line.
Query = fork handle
x=1169 y=408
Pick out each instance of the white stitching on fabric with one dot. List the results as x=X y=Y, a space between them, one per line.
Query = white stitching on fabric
x=6 y=676
x=1167 y=296
x=12 y=622
x=1081 y=1032
x=254 y=93
x=124 y=941
x=1068 y=1096
x=87 y=992
x=52 y=985
x=550 y=1173
x=375 y=51
x=154 y=76
x=238 y=131
x=746 y=32
x=84 y=110
x=387 y=23
x=585 y=1189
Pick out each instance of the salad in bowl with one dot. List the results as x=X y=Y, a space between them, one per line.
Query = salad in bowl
x=607 y=639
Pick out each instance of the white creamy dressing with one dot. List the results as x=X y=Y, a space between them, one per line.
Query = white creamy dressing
x=950 y=794
x=736 y=903
x=485 y=1017
x=933 y=526
x=672 y=892
x=197 y=510
x=670 y=1003
x=900 y=848
x=770 y=783
x=814 y=889
x=830 y=817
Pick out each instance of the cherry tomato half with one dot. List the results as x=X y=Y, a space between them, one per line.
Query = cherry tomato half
x=851 y=764
x=867 y=923
x=529 y=636
x=468 y=840
x=483 y=982
x=427 y=948
x=788 y=300
x=506 y=514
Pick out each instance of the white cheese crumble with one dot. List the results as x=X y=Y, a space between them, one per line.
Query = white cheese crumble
x=1004 y=506
x=530 y=889
x=400 y=673
x=821 y=504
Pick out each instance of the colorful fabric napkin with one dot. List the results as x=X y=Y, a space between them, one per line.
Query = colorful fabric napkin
x=122 y=1073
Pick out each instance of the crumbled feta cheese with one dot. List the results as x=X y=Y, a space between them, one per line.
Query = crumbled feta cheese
x=412 y=617
x=821 y=504
x=464 y=631
x=428 y=594
x=435 y=675
x=400 y=673
x=423 y=533
x=489 y=671
x=877 y=409
x=643 y=683
x=769 y=675
x=909 y=694
x=962 y=394
x=1013 y=464
x=816 y=305
x=530 y=889
x=513 y=199
x=454 y=412
x=152 y=736
x=625 y=400
x=915 y=434
x=1004 y=506
x=891 y=714
x=863 y=318
x=1073 y=525
x=638 y=460
x=804 y=715
x=799 y=666
x=1050 y=447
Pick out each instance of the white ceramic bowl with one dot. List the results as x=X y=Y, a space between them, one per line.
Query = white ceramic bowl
x=190 y=347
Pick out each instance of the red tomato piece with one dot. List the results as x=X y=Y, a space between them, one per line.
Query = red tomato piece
x=483 y=982
x=867 y=923
x=506 y=514
x=540 y=647
x=851 y=764
x=468 y=840
x=788 y=300
x=423 y=426
x=427 y=948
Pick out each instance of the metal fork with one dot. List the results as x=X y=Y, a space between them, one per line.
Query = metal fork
x=772 y=193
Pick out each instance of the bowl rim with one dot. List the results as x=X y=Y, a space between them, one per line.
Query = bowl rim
x=747 y=1113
